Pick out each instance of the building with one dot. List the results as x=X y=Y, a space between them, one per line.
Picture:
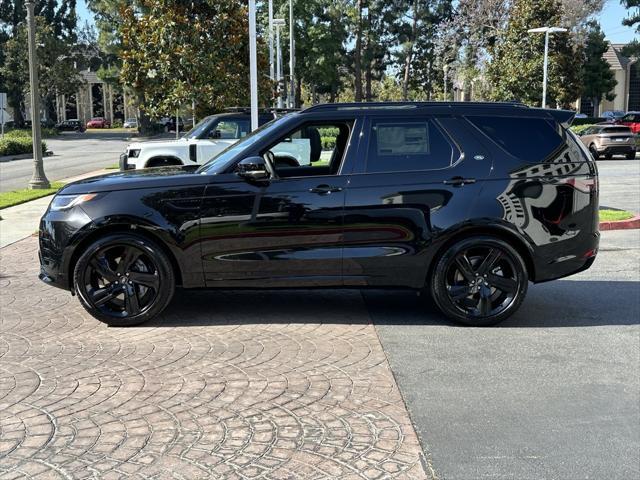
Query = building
x=627 y=91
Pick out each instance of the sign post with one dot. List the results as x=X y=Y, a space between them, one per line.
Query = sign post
x=3 y=105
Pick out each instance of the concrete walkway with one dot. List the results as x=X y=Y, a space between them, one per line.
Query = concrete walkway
x=23 y=220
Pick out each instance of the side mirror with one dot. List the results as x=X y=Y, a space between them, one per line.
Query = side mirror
x=253 y=168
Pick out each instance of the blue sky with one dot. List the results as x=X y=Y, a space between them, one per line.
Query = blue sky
x=610 y=19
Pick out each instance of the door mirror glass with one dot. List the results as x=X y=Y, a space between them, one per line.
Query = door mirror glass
x=253 y=168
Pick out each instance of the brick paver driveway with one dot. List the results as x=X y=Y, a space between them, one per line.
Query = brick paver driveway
x=268 y=385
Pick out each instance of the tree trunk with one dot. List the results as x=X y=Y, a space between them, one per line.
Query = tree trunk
x=298 y=92
x=144 y=122
x=358 y=56
x=409 y=56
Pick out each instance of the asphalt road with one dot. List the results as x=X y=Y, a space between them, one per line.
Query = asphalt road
x=552 y=393
x=74 y=154
x=620 y=183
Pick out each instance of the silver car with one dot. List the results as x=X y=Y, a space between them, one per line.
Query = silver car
x=130 y=123
x=609 y=140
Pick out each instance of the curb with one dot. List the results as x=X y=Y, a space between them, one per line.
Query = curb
x=629 y=224
x=10 y=158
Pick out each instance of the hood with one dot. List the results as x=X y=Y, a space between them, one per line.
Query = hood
x=132 y=179
x=159 y=143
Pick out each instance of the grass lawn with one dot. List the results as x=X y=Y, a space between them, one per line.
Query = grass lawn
x=16 y=197
x=613 y=215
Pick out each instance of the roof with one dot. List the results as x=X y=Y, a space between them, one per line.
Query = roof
x=616 y=60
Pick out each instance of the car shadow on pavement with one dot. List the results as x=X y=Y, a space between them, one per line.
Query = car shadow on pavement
x=564 y=303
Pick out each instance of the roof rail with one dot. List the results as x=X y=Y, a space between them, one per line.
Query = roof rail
x=261 y=110
x=403 y=105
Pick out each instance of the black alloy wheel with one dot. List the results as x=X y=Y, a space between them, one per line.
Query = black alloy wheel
x=124 y=280
x=479 y=281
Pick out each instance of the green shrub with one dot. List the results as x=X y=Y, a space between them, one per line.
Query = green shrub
x=328 y=131
x=17 y=145
x=26 y=133
x=578 y=129
x=328 y=143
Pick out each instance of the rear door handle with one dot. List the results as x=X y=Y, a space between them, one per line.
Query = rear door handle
x=459 y=181
x=325 y=189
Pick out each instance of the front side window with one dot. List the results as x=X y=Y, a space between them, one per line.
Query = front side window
x=310 y=150
x=407 y=145
x=231 y=129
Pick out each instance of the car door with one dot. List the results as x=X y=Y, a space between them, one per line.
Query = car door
x=416 y=177
x=287 y=231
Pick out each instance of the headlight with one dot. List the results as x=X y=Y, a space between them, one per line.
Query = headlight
x=133 y=153
x=65 y=202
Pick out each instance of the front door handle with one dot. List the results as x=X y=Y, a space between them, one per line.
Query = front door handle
x=325 y=189
x=459 y=181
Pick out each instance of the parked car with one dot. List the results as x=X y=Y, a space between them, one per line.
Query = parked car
x=612 y=115
x=98 y=122
x=130 y=123
x=631 y=120
x=208 y=138
x=609 y=140
x=169 y=124
x=72 y=125
x=467 y=202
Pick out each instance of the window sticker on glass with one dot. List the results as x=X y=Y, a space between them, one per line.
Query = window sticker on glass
x=403 y=139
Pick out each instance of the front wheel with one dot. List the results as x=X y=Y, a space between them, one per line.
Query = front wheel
x=479 y=281
x=594 y=152
x=124 y=280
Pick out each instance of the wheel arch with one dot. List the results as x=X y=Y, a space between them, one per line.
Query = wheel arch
x=121 y=228
x=163 y=156
x=501 y=232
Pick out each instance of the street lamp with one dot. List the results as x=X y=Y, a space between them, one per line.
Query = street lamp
x=39 y=179
x=271 y=67
x=253 y=65
x=292 y=47
x=278 y=22
x=546 y=31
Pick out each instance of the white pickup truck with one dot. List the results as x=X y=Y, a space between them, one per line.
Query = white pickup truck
x=203 y=142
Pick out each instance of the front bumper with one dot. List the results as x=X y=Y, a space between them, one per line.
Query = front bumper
x=124 y=163
x=60 y=232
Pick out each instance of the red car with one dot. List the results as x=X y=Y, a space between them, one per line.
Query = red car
x=98 y=122
x=631 y=120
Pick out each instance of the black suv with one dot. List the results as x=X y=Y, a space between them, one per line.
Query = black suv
x=466 y=201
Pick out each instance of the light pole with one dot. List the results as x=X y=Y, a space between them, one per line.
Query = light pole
x=253 y=65
x=546 y=31
x=445 y=68
x=278 y=22
x=292 y=47
x=39 y=179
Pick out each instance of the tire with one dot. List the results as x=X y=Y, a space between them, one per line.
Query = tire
x=630 y=156
x=491 y=288
x=608 y=156
x=98 y=280
x=594 y=152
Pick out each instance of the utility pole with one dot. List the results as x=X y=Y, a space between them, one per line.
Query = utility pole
x=546 y=31
x=279 y=22
x=39 y=179
x=271 y=66
x=292 y=48
x=253 y=65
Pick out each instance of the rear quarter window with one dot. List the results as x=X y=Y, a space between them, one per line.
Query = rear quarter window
x=529 y=139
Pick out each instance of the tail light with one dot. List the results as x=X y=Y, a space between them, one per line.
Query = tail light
x=583 y=184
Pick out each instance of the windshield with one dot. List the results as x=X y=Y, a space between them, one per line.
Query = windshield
x=219 y=163
x=200 y=127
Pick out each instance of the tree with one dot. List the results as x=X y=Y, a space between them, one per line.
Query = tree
x=175 y=52
x=597 y=77
x=516 y=68
x=634 y=13
x=56 y=36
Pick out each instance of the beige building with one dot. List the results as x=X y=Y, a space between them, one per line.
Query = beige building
x=627 y=91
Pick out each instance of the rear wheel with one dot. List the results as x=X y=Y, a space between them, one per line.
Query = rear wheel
x=608 y=156
x=479 y=281
x=630 y=155
x=124 y=280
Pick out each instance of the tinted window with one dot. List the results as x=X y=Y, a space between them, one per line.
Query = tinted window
x=401 y=145
x=530 y=139
x=616 y=130
x=232 y=129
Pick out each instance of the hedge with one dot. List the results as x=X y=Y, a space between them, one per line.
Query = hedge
x=17 y=145
x=578 y=129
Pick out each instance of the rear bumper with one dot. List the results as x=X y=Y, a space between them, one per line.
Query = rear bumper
x=616 y=149
x=578 y=260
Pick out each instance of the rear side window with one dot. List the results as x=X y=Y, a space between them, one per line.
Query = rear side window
x=407 y=145
x=529 y=139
